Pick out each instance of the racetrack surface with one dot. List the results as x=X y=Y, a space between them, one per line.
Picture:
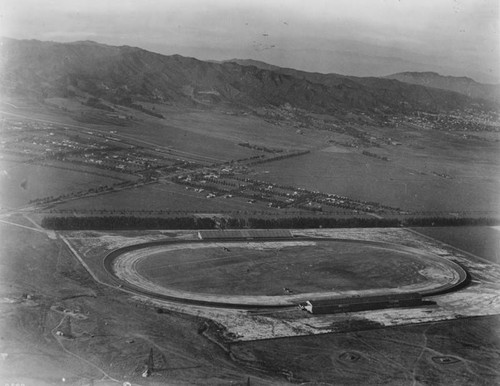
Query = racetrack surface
x=157 y=270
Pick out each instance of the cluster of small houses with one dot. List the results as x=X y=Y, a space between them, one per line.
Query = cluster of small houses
x=224 y=183
x=121 y=160
x=44 y=141
x=457 y=121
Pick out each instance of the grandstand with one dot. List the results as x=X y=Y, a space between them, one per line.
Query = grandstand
x=352 y=304
x=247 y=234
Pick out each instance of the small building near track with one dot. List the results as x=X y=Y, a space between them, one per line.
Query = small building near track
x=247 y=234
x=352 y=304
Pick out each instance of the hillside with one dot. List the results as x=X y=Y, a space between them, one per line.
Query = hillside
x=255 y=63
x=462 y=85
x=126 y=75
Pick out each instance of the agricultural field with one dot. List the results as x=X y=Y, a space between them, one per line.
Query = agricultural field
x=201 y=136
x=426 y=185
x=21 y=183
x=240 y=128
x=166 y=197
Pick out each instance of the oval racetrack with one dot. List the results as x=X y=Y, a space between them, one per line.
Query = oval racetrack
x=278 y=273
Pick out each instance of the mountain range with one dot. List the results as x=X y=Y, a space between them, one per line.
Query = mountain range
x=462 y=85
x=125 y=75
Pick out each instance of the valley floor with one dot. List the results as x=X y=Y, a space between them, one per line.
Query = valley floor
x=62 y=322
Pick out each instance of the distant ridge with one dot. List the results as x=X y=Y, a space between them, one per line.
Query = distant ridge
x=462 y=85
x=128 y=75
x=255 y=63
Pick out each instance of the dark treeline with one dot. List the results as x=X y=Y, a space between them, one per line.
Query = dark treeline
x=132 y=222
x=446 y=221
x=126 y=222
x=315 y=222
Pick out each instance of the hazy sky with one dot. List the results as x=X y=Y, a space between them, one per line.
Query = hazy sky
x=456 y=37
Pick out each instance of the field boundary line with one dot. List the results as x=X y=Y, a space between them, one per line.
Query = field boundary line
x=24 y=226
x=37 y=226
x=80 y=259
x=482 y=259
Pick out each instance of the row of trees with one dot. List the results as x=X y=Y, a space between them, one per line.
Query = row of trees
x=320 y=222
x=450 y=221
x=280 y=157
x=126 y=222
x=132 y=222
x=363 y=222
